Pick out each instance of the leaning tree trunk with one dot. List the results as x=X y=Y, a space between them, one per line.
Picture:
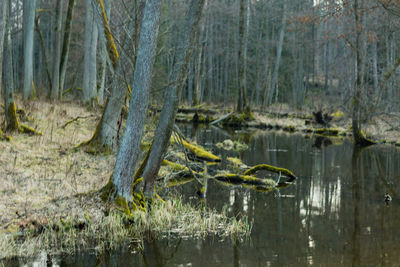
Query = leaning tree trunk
x=9 y=104
x=128 y=153
x=66 y=45
x=359 y=138
x=55 y=89
x=29 y=25
x=167 y=118
x=106 y=8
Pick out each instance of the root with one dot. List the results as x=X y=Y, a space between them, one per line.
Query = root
x=4 y=137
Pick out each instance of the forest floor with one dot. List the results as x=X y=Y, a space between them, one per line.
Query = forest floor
x=46 y=185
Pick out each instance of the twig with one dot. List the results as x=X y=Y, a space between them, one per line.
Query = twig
x=76 y=119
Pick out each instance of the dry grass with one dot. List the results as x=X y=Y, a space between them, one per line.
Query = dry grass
x=36 y=169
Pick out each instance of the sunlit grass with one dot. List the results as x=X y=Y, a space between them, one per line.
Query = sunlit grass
x=96 y=230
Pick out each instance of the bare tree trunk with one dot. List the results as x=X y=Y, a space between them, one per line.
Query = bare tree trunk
x=55 y=89
x=167 y=118
x=106 y=7
x=358 y=136
x=29 y=25
x=375 y=66
x=66 y=45
x=128 y=153
x=2 y=34
x=8 y=78
x=89 y=71
x=273 y=88
x=44 y=53
x=244 y=15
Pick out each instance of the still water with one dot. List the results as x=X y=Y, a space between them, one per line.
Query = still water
x=335 y=214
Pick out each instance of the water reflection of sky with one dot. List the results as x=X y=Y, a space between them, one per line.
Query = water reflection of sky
x=333 y=216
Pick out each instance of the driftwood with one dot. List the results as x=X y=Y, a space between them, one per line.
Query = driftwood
x=225 y=117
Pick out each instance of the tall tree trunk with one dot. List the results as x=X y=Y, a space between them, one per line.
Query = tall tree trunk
x=44 y=53
x=106 y=8
x=55 y=89
x=29 y=25
x=375 y=66
x=244 y=15
x=12 y=122
x=2 y=34
x=167 y=118
x=128 y=153
x=358 y=136
x=273 y=88
x=89 y=71
x=66 y=44
x=196 y=87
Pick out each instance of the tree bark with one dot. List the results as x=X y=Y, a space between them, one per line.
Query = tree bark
x=2 y=34
x=128 y=153
x=244 y=15
x=196 y=87
x=105 y=9
x=89 y=71
x=107 y=129
x=167 y=118
x=358 y=136
x=29 y=25
x=12 y=122
x=55 y=88
x=273 y=88
x=66 y=44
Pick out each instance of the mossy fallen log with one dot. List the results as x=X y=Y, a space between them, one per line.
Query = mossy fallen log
x=197 y=153
x=327 y=131
x=266 y=167
x=237 y=179
x=258 y=184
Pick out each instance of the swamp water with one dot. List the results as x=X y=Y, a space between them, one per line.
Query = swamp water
x=334 y=215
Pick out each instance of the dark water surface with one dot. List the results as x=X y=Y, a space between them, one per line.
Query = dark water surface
x=335 y=214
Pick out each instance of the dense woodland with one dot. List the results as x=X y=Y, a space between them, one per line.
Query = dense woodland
x=292 y=50
x=128 y=59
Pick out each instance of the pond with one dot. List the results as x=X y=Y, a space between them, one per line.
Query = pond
x=335 y=213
